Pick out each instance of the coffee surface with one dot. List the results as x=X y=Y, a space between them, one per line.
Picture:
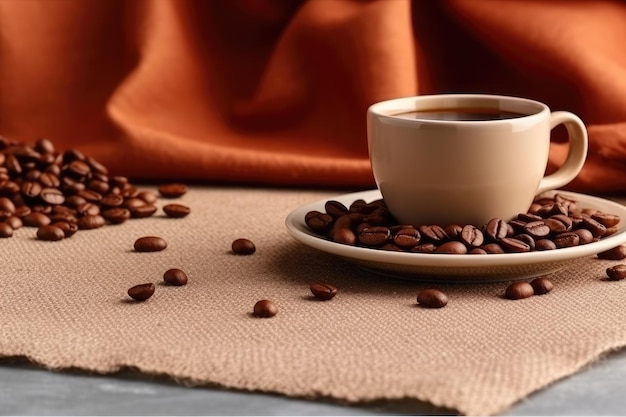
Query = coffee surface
x=461 y=114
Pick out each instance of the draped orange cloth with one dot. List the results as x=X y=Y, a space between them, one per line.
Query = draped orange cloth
x=275 y=91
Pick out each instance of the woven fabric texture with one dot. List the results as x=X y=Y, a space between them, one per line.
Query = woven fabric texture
x=64 y=305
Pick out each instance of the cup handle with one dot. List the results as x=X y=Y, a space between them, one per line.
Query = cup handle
x=576 y=155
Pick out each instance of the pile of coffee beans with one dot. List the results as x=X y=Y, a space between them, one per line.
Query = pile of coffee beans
x=60 y=192
x=550 y=223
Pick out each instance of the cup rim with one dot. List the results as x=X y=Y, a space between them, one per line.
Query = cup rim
x=392 y=107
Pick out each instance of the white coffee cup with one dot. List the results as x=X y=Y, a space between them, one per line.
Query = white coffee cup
x=435 y=171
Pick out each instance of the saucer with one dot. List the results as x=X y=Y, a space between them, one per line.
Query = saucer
x=457 y=268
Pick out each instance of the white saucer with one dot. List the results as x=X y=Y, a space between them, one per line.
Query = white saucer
x=457 y=268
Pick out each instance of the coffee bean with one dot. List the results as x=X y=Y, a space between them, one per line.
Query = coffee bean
x=243 y=247
x=318 y=222
x=36 y=219
x=596 y=228
x=424 y=248
x=544 y=244
x=433 y=233
x=50 y=233
x=492 y=248
x=7 y=206
x=323 y=290
x=90 y=221
x=432 y=298
x=141 y=292
x=528 y=239
x=265 y=309
x=144 y=211
x=335 y=209
x=566 y=240
x=541 y=285
x=147 y=196
x=606 y=219
x=614 y=254
x=176 y=210
x=343 y=235
x=175 y=276
x=150 y=244
x=172 y=190
x=14 y=221
x=5 y=230
x=519 y=290
x=472 y=236
x=616 y=272
x=537 y=229
x=496 y=229
x=584 y=236
x=112 y=200
x=514 y=245
x=477 y=251
x=116 y=215
x=69 y=228
x=452 y=247
x=374 y=236
x=407 y=237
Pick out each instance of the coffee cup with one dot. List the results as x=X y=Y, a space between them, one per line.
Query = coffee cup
x=467 y=158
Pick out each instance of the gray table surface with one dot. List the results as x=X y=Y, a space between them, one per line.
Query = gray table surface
x=26 y=389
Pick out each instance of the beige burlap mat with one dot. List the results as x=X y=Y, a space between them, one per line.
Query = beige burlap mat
x=64 y=305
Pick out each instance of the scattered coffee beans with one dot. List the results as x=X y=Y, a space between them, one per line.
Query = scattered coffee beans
x=616 y=273
x=243 y=247
x=176 y=210
x=519 y=290
x=172 y=190
x=615 y=254
x=40 y=185
x=432 y=298
x=550 y=223
x=323 y=290
x=141 y=292
x=150 y=244
x=175 y=276
x=265 y=309
x=541 y=285
x=5 y=230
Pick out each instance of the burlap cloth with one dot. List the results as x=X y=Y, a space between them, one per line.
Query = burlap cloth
x=64 y=305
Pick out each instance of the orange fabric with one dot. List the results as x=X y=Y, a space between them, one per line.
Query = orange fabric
x=275 y=91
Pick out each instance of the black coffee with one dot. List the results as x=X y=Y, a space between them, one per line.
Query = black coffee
x=473 y=114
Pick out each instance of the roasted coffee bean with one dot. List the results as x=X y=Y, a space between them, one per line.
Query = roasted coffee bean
x=537 y=229
x=112 y=200
x=88 y=209
x=116 y=215
x=144 y=211
x=358 y=206
x=14 y=221
x=50 y=233
x=90 y=221
x=133 y=202
x=472 y=236
x=616 y=272
x=243 y=246
x=614 y=254
x=584 y=236
x=30 y=189
x=477 y=251
x=78 y=169
x=555 y=226
x=172 y=190
x=424 y=248
x=5 y=230
x=68 y=228
x=541 y=285
x=453 y=231
x=432 y=298
x=374 y=236
x=175 y=276
x=147 y=196
x=265 y=309
x=433 y=233
x=391 y=247
x=318 y=222
x=528 y=239
x=553 y=209
x=544 y=244
x=176 y=211
x=323 y=290
x=608 y=220
x=407 y=237
x=150 y=244
x=35 y=219
x=335 y=208
x=90 y=196
x=596 y=228
x=49 y=180
x=492 y=248
x=519 y=290
x=52 y=196
x=141 y=292
x=343 y=235
x=514 y=245
x=566 y=240
x=7 y=206
x=452 y=247
x=496 y=229
x=565 y=220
